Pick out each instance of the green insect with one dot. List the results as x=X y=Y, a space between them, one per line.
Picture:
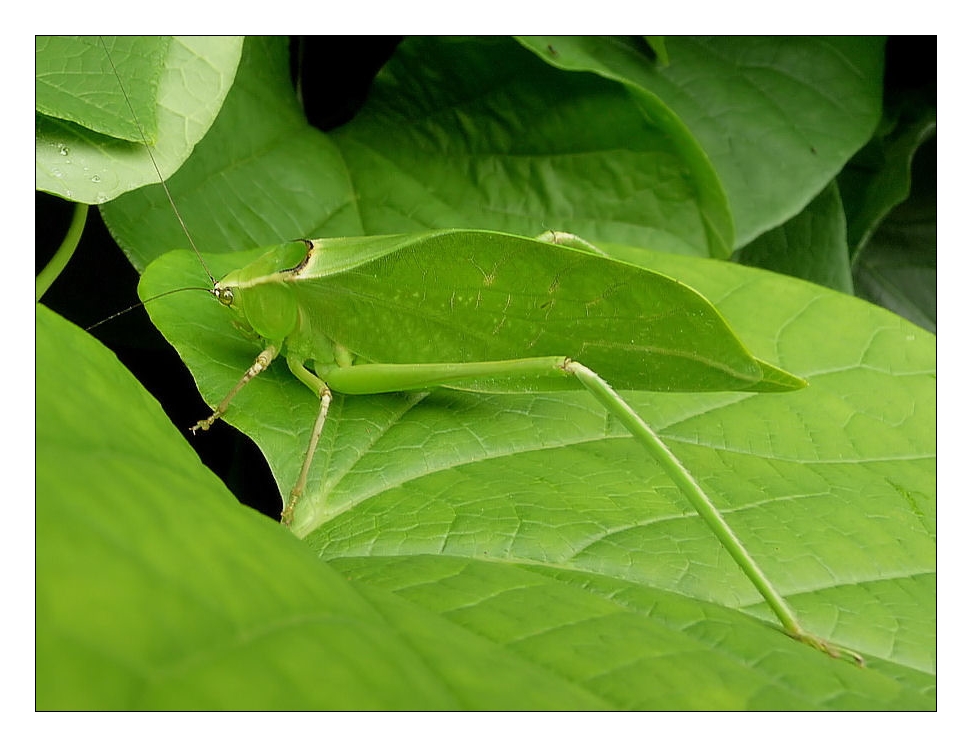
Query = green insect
x=464 y=309
x=490 y=312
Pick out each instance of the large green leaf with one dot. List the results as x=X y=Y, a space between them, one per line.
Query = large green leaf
x=79 y=154
x=777 y=117
x=156 y=590
x=811 y=246
x=150 y=576
x=831 y=488
x=503 y=141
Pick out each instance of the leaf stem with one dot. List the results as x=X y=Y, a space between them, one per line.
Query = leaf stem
x=65 y=251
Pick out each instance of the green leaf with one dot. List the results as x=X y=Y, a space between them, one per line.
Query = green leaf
x=879 y=177
x=150 y=575
x=630 y=61
x=156 y=590
x=502 y=142
x=657 y=44
x=898 y=267
x=99 y=103
x=87 y=166
x=507 y=143
x=465 y=502
x=260 y=176
x=777 y=116
x=811 y=246
x=889 y=189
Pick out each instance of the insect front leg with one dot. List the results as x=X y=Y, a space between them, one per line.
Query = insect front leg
x=263 y=360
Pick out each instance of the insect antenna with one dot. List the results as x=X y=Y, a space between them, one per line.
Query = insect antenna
x=158 y=171
x=147 y=300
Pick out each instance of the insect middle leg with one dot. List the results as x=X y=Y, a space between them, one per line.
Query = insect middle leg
x=324 y=394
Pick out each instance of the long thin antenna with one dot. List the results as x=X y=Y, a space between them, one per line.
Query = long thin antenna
x=158 y=171
x=142 y=304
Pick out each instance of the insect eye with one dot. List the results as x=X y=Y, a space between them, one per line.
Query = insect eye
x=225 y=296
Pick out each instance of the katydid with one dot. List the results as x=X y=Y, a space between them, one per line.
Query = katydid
x=490 y=312
x=450 y=308
x=465 y=309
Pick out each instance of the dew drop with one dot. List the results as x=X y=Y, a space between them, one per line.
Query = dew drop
x=62 y=149
x=96 y=179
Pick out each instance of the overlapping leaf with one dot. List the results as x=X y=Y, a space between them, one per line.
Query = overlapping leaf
x=776 y=117
x=83 y=153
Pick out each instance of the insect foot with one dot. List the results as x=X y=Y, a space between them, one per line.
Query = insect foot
x=821 y=644
x=203 y=425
